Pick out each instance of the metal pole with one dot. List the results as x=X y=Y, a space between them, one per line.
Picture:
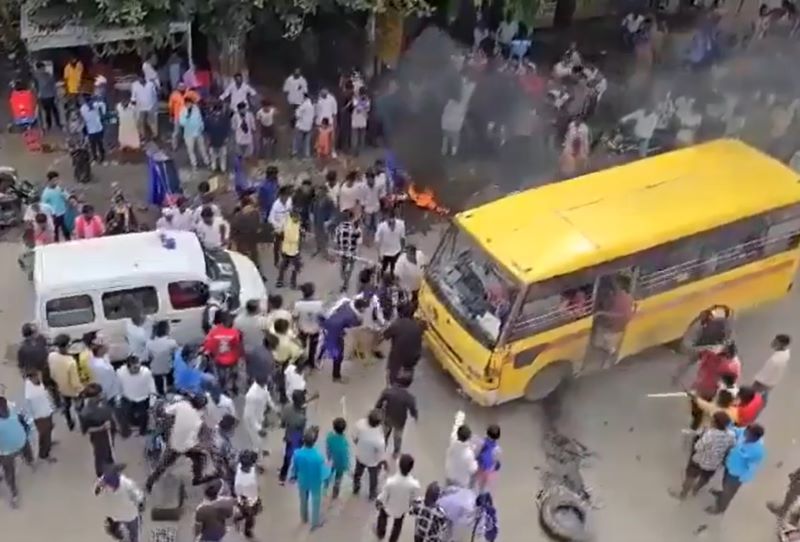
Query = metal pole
x=190 y=46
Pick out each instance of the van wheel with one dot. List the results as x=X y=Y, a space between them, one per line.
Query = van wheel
x=547 y=380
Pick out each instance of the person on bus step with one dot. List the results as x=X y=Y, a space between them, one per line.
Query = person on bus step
x=617 y=312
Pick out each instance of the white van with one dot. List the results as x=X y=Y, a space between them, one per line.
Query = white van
x=89 y=285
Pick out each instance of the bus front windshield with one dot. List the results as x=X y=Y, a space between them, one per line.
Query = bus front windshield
x=472 y=286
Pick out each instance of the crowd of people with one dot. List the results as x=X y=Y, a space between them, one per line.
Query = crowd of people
x=724 y=432
x=193 y=388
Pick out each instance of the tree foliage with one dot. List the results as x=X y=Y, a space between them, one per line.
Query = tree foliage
x=221 y=19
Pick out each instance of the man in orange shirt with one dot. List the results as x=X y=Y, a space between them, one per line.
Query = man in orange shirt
x=177 y=101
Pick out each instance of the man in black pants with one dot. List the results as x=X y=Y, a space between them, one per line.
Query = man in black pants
x=184 y=439
x=46 y=92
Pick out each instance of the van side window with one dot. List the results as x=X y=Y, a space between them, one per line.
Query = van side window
x=125 y=303
x=187 y=294
x=69 y=311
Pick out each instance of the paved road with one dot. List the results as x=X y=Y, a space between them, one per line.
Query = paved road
x=635 y=441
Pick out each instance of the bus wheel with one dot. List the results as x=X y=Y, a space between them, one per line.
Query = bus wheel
x=547 y=380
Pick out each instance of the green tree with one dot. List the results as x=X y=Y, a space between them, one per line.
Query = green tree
x=225 y=22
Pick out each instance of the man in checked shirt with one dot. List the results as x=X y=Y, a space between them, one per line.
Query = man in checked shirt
x=431 y=523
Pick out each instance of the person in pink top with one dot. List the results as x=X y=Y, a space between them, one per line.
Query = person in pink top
x=88 y=225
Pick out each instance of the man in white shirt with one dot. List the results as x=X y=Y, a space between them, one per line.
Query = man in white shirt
x=646 y=122
x=631 y=24
x=137 y=387
x=212 y=230
x=218 y=405
x=278 y=215
x=326 y=108
x=399 y=493
x=505 y=34
x=256 y=402
x=303 y=123
x=370 y=448
x=350 y=193
x=296 y=88
x=149 y=71
x=39 y=406
x=374 y=195
x=238 y=92
x=771 y=373
x=123 y=502
x=460 y=463
x=184 y=439
x=409 y=271
x=145 y=95
x=252 y=324
x=138 y=331
x=389 y=239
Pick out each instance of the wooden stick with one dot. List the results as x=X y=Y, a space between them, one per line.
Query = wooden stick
x=667 y=394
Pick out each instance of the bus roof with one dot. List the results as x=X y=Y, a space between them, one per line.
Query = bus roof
x=97 y=263
x=561 y=227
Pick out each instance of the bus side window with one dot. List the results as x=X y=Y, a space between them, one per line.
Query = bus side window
x=542 y=310
x=783 y=236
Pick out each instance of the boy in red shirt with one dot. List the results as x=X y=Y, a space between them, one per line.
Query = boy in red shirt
x=224 y=345
x=748 y=406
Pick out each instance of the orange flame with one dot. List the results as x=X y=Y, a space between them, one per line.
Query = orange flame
x=425 y=199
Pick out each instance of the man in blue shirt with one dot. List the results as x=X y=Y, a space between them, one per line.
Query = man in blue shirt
x=56 y=197
x=13 y=442
x=93 y=112
x=741 y=465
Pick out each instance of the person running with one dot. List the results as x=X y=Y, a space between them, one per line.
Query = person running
x=397 y=497
x=337 y=452
x=224 y=346
x=246 y=490
x=257 y=402
x=39 y=407
x=741 y=465
x=430 y=520
x=708 y=455
x=310 y=472
x=308 y=314
x=389 y=239
x=13 y=442
x=97 y=421
x=397 y=403
x=370 y=446
x=294 y=419
x=125 y=503
x=184 y=439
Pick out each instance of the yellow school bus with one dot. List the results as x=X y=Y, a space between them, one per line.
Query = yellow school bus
x=568 y=278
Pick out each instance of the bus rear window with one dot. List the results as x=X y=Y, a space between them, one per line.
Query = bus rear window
x=69 y=311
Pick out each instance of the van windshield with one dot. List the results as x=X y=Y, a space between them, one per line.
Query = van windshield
x=473 y=287
x=212 y=267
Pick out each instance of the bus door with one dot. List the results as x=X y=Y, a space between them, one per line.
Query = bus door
x=613 y=308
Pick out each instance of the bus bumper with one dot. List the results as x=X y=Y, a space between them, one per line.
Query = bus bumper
x=479 y=394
